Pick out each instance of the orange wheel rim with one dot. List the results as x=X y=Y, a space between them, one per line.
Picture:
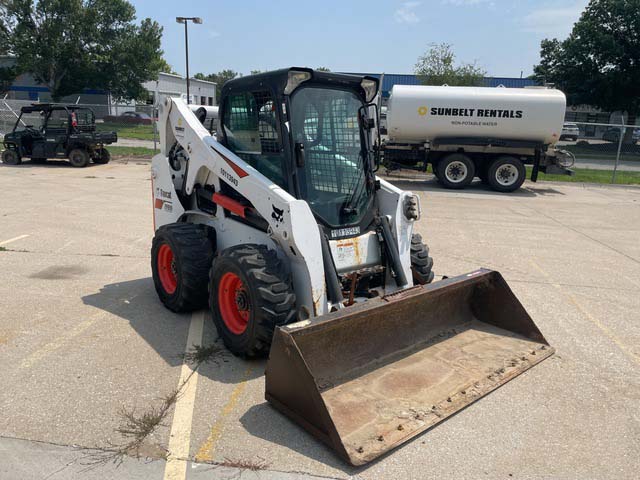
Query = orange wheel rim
x=167 y=269
x=233 y=302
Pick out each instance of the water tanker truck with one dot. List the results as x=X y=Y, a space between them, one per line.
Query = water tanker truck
x=468 y=132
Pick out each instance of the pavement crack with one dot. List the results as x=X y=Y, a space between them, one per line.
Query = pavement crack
x=64 y=467
x=599 y=242
x=13 y=250
x=575 y=285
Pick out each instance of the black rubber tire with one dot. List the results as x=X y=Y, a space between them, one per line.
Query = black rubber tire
x=501 y=162
x=445 y=162
x=103 y=156
x=271 y=299
x=434 y=169
x=11 y=157
x=421 y=262
x=193 y=253
x=79 y=158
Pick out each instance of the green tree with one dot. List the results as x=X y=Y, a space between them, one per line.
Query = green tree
x=7 y=76
x=438 y=67
x=219 y=78
x=545 y=71
x=69 y=45
x=323 y=69
x=166 y=68
x=599 y=63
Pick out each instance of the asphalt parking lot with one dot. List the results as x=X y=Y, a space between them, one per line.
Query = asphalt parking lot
x=84 y=340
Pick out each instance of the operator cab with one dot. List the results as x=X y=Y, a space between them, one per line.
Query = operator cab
x=310 y=133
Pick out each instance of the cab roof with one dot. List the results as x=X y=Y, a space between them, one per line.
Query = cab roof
x=277 y=80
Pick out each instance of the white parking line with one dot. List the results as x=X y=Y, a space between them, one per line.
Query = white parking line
x=5 y=242
x=180 y=437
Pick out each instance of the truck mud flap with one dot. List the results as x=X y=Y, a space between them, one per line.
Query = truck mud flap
x=372 y=376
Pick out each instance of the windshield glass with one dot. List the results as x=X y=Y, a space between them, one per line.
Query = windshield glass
x=325 y=123
x=31 y=119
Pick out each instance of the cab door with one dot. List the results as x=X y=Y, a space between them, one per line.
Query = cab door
x=56 y=131
x=251 y=131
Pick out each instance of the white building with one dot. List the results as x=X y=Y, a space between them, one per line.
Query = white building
x=168 y=84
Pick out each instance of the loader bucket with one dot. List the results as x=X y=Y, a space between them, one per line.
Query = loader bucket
x=369 y=377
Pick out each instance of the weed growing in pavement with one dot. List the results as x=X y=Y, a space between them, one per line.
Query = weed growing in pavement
x=241 y=465
x=136 y=428
x=200 y=354
x=254 y=465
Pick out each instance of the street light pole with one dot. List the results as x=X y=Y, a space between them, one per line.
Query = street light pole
x=186 y=20
x=186 y=54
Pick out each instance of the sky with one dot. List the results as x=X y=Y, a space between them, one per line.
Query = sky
x=356 y=35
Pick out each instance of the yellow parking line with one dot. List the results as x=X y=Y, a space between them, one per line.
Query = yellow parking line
x=180 y=437
x=205 y=453
x=13 y=239
x=590 y=317
x=58 y=342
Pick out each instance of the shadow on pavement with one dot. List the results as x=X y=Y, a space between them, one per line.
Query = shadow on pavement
x=45 y=164
x=430 y=184
x=166 y=332
x=263 y=421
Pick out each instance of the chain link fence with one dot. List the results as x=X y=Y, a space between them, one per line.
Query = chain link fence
x=598 y=147
x=135 y=124
x=614 y=148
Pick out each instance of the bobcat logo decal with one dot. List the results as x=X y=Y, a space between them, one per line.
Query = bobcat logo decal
x=277 y=214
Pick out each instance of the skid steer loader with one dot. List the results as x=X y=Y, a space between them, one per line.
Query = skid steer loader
x=279 y=226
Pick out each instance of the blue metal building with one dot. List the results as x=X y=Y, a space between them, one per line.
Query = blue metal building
x=391 y=79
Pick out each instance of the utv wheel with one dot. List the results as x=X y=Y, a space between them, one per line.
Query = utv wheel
x=181 y=255
x=102 y=156
x=79 y=158
x=506 y=174
x=11 y=157
x=421 y=262
x=249 y=295
x=455 y=171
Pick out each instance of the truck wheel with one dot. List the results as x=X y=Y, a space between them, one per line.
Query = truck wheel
x=102 y=156
x=181 y=255
x=250 y=294
x=421 y=262
x=455 y=171
x=11 y=157
x=79 y=158
x=506 y=174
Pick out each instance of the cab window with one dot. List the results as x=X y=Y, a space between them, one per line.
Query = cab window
x=250 y=131
x=58 y=119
